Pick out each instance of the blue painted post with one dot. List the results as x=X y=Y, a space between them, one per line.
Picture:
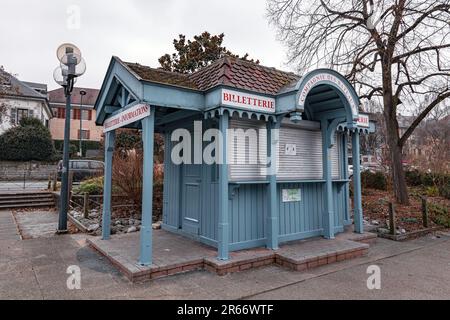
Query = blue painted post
x=346 y=176
x=328 y=221
x=148 y=129
x=272 y=218
x=107 y=185
x=357 y=204
x=223 y=235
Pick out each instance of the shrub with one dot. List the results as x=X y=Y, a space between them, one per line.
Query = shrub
x=432 y=191
x=444 y=190
x=92 y=186
x=439 y=180
x=439 y=214
x=30 y=140
x=413 y=178
x=375 y=180
x=127 y=177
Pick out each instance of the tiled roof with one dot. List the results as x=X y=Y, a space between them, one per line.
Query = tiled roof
x=12 y=86
x=57 y=96
x=161 y=76
x=229 y=71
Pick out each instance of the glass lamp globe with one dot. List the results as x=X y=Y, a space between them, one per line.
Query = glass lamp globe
x=67 y=48
x=60 y=76
x=79 y=69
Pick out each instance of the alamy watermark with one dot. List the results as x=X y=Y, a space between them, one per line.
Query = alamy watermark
x=73 y=21
x=374 y=280
x=74 y=280
x=244 y=146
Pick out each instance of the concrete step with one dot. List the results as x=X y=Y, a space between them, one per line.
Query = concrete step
x=29 y=200
x=24 y=195
x=27 y=205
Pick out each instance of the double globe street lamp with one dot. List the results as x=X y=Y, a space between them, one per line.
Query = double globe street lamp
x=72 y=66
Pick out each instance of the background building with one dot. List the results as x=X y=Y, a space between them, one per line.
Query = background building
x=90 y=131
x=19 y=99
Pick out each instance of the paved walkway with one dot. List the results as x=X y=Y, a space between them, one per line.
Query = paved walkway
x=37 y=269
x=8 y=228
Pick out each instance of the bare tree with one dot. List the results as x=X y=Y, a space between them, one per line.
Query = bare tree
x=433 y=141
x=3 y=83
x=397 y=51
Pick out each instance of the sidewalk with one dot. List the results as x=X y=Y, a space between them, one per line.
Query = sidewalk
x=36 y=269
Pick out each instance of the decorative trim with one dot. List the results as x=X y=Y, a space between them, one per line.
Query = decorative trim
x=252 y=115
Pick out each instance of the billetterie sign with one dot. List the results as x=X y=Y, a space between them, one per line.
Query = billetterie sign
x=247 y=101
x=127 y=116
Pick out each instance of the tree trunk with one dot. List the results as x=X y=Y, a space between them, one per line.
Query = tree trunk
x=395 y=152
x=392 y=135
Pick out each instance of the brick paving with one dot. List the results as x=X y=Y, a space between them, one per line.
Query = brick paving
x=176 y=254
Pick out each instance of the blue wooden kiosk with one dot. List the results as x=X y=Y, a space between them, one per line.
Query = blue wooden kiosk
x=304 y=125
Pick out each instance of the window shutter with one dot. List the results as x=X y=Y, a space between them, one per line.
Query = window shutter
x=90 y=115
x=13 y=117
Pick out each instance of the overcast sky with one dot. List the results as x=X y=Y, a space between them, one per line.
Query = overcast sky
x=135 y=30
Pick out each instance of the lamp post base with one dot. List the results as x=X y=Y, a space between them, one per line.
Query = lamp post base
x=62 y=232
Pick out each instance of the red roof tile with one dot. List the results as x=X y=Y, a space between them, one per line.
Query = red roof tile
x=58 y=97
x=227 y=71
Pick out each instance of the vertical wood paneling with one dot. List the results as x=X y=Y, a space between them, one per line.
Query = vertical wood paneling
x=248 y=213
x=171 y=189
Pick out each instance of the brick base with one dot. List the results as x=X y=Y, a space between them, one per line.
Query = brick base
x=239 y=262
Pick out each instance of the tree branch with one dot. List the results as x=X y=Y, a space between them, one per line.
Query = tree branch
x=422 y=116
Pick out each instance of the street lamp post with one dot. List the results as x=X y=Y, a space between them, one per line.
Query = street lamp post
x=72 y=66
x=82 y=94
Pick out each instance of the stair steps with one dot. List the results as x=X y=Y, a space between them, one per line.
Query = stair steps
x=26 y=200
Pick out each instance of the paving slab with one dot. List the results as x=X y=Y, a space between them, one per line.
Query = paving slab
x=37 y=223
x=8 y=229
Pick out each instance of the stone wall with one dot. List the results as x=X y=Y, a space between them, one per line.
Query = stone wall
x=34 y=170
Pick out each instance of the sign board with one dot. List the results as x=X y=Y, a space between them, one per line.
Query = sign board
x=130 y=115
x=363 y=121
x=247 y=101
x=324 y=78
x=292 y=195
x=290 y=149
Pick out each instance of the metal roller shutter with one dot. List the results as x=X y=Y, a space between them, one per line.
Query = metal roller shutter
x=306 y=162
x=335 y=158
x=246 y=160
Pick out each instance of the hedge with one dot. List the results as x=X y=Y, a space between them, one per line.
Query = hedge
x=75 y=146
x=30 y=140
x=375 y=180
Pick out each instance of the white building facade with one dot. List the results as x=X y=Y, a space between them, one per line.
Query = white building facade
x=19 y=100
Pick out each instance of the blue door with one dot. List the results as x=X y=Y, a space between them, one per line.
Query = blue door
x=191 y=204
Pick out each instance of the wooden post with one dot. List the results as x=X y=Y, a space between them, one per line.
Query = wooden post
x=86 y=205
x=49 y=185
x=424 y=212
x=146 y=242
x=392 y=225
x=55 y=181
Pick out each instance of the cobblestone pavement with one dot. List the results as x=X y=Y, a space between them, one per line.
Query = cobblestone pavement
x=36 y=269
